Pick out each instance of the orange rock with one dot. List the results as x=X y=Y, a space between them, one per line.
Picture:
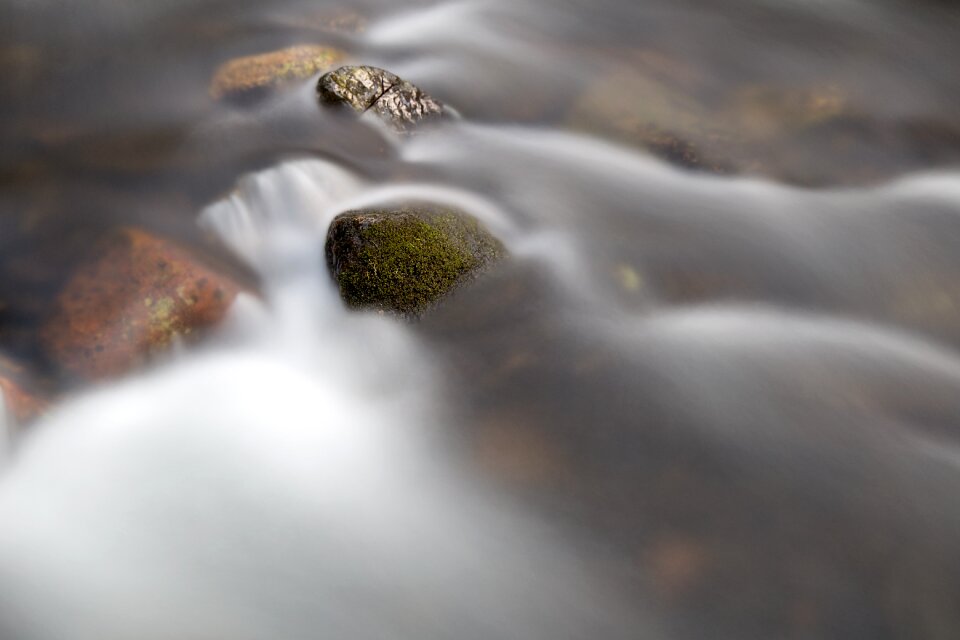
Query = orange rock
x=133 y=298
x=20 y=399
x=251 y=75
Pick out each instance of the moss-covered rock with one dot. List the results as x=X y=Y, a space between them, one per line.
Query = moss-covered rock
x=252 y=76
x=404 y=260
x=398 y=103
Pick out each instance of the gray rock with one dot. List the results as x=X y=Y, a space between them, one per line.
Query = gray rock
x=397 y=102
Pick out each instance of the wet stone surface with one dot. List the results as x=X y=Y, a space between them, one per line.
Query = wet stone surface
x=398 y=103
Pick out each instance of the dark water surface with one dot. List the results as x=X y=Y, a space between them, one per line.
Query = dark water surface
x=715 y=393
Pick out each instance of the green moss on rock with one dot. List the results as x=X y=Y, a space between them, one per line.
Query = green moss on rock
x=403 y=260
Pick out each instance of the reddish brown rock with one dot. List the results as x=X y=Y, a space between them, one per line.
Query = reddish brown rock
x=20 y=398
x=136 y=294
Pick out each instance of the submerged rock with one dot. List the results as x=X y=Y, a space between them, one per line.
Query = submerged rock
x=397 y=102
x=251 y=76
x=818 y=132
x=133 y=297
x=404 y=260
x=338 y=20
x=655 y=103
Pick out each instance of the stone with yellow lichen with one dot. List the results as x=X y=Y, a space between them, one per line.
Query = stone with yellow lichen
x=253 y=76
x=134 y=295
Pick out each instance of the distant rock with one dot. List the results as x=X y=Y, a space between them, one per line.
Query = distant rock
x=403 y=260
x=397 y=102
x=133 y=296
x=250 y=77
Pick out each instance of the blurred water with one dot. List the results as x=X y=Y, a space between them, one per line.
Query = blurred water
x=289 y=479
x=692 y=404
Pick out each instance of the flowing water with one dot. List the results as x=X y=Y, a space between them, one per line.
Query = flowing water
x=713 y=393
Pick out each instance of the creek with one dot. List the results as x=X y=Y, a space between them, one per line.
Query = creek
x=714 y=392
